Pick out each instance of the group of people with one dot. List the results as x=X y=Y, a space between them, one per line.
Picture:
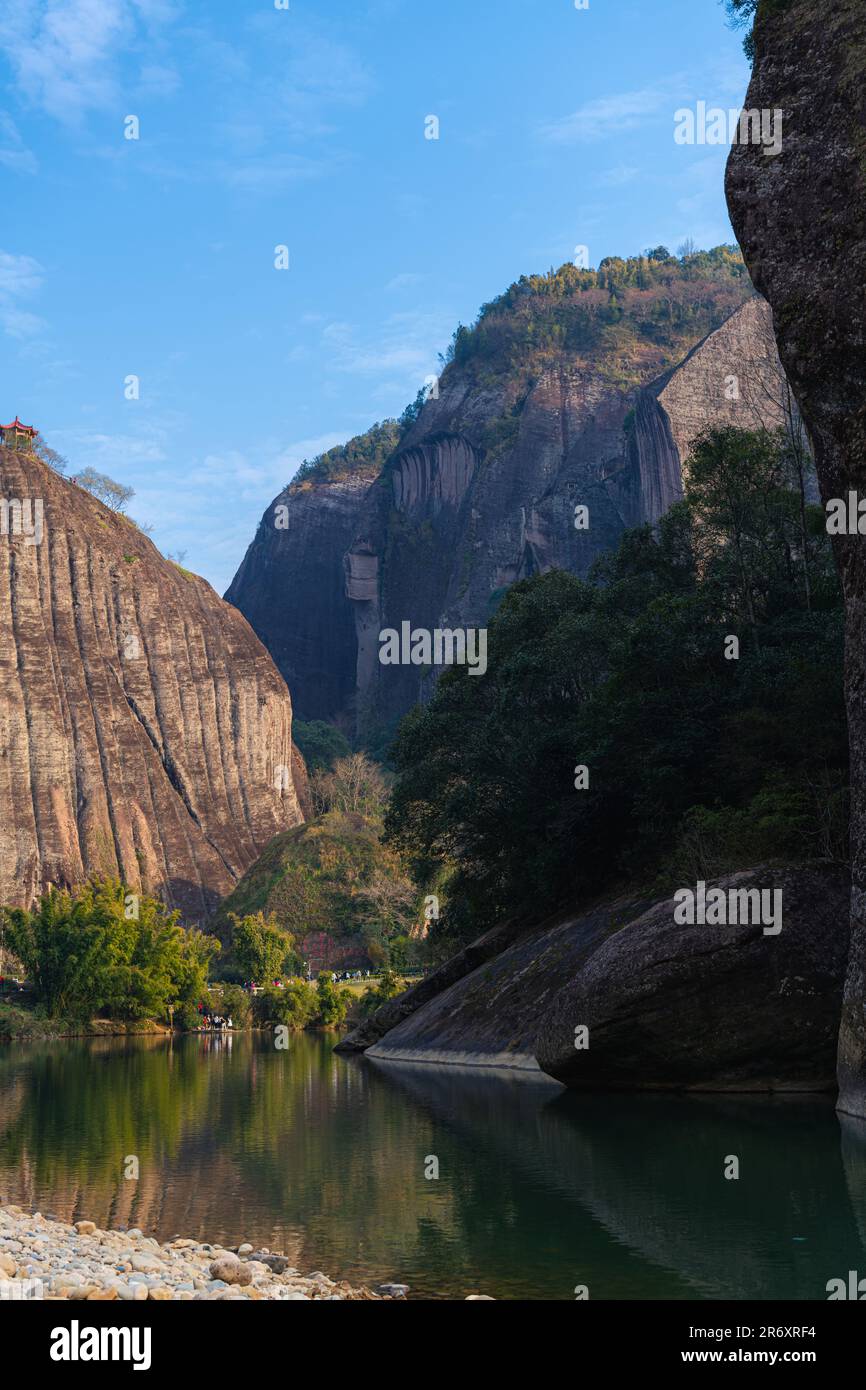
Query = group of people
x=217 y=1021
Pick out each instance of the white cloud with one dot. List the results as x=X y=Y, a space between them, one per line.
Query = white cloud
x=20 y=279
x=63 y=53
x=19 y=275
x=407 y=344
x=607 y=116
x=407 y=280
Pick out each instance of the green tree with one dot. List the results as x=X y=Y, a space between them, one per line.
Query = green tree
x=320 y=743
x=333 y=1003
x=388 y=987
x=294 y=1006
x=103 y=948
x=262 y=949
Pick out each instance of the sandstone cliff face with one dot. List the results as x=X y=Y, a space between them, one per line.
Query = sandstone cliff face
x=144 y=730
x=481 y=492
x=801 y=221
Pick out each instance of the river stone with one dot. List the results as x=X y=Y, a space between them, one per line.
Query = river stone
x=147 y=1264
x=85 y=1228
x=277 y=1264
x=711 y=1007
x=7 y=1265
x=231 y=1270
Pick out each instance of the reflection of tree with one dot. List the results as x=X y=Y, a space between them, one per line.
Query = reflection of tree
x=324 y=1159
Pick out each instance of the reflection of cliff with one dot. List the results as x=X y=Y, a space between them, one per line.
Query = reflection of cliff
x=235 y=1141
x=649 y=1171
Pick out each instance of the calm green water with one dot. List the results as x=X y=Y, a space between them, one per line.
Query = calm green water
x=323 y=1158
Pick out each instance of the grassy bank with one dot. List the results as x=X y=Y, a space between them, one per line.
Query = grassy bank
x=24 y=1024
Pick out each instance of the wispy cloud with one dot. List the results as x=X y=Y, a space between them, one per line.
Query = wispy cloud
x=14 y=154
x=405 y=281
x=63 y=53
x=610 y=115
x=406 y=346
x=20 y=279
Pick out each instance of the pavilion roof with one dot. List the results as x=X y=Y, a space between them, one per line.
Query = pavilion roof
x=18 y=425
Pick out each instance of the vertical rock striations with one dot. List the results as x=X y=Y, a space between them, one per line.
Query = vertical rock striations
x=801 y=220
x=144 y=731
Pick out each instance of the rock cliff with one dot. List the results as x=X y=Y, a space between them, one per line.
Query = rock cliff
x=144 y=730
x=801 y=220
x=667 y=1006
x=482 y=486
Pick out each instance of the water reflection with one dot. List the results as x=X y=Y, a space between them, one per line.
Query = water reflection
x=324 y=1158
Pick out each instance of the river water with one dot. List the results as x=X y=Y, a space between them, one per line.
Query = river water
x=324 y=1158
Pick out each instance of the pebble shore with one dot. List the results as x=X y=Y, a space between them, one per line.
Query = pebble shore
x=81 y=1262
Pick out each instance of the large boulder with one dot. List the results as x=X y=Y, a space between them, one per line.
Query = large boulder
x=483 y=1006
x=800 y=217
x=710 y=1007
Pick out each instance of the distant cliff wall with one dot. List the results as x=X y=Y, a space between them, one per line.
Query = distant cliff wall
x=481 y=491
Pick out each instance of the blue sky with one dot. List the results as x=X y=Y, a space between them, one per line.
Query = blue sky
x=305 y=127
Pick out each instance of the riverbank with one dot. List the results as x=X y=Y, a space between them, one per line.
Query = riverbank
x=18 y=1024
x=80 y=1262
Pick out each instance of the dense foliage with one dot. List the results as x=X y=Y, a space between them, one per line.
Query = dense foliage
x=102 y=949
x=388 y=986
x=331 y=884
x=262 y=950
x=696 y=763
x=364 y=455
x=656 y=300
x=320 y=744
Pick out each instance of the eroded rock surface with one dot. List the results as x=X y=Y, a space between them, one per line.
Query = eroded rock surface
x=144 y=730
x=800 y=218
x=711 y=1007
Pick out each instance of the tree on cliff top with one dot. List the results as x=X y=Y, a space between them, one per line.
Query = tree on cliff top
x=105 y=489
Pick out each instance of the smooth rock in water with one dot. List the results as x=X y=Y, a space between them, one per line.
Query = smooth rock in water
x=710 y=1007
x=245 y=1249
x=85 y=1228
x=395 y=1290
x=479 y=1298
